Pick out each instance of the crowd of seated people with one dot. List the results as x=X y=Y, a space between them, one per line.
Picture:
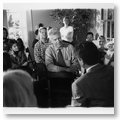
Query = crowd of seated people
x=65 y=74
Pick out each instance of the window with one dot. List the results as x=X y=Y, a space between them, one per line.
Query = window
x=17 y=27
x=108 y=26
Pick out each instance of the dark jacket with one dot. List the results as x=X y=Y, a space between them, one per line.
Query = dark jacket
x=95 y=88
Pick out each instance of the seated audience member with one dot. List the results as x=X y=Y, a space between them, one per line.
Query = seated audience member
x=60 y=56
x=66 y=31
x=90 y=37
x=96 y=87
x=18 y=59
x=39 y=55
x=102 y=43
x=102 y=49
x=6 y=61
x=36 y=38
x=20 y=45
x=18 y=89
x=39 y=52
x=109 y=57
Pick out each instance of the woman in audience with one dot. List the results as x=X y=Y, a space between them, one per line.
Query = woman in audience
x=18 y=58
x=20 y=45
x=18 y=89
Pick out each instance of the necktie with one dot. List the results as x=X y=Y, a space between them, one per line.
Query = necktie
x=60 y=58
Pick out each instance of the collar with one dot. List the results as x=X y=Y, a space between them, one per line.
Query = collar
x=89 y=68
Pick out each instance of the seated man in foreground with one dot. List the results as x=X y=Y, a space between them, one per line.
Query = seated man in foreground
x=96 y=87
x=62 y=65
x=60 y=56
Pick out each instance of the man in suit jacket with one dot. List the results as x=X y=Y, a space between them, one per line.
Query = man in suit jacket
x=96 y=87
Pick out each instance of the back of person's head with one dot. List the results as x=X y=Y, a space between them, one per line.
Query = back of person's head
x=6 y=61
x=88 y=52
x=18 y=89
x=41 y=25
x=11 y=42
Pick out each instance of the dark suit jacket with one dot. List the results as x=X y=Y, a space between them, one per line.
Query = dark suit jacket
x=95 y=88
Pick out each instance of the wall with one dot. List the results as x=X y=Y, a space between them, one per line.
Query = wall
x=30 y=32
x=4 y=18
x=34 y=17
x=43 y=16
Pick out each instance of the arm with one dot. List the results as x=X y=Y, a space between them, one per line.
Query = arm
x=74 y=61
x=77 y=96
x=50 y=63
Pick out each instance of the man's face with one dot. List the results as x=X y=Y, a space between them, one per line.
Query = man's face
x=89 y=38
x=65 y=21
x=56 y=40
x=101 y=42
x=42 y=34
x=111 y=47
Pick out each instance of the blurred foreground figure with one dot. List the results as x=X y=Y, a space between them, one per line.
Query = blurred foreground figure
x=18 y=89
x=96 y=87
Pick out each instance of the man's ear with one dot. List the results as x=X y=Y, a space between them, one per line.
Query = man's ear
x=81 y=62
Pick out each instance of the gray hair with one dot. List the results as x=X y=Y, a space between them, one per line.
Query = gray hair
x=18 y=89
x=53 y=31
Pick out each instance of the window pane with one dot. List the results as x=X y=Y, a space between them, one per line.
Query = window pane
x=110 y=14
x=112 y=31
x=108 y=29
x=102 y=14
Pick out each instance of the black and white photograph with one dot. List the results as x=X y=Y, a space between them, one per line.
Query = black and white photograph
x=58 y=56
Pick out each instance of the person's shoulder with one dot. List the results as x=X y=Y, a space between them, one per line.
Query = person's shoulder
x=70 y=46
x=109 y=68
x=62 y=28
x=37 y=44
x=50 y=48
x=70 y=27
x=81 y=79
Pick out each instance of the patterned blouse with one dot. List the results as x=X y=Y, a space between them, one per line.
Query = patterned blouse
x=39 y=52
